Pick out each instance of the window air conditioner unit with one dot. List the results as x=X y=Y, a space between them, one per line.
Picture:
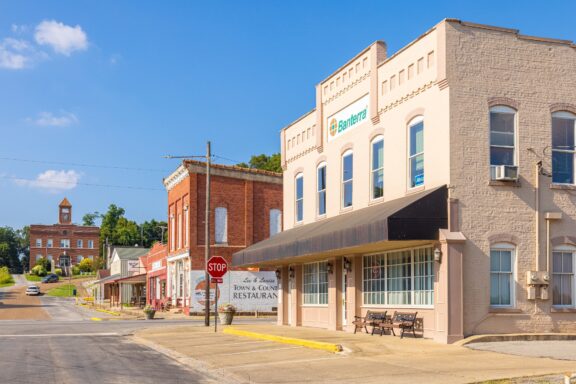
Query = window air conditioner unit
x=506 y=173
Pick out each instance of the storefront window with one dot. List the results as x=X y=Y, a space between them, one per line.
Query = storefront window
x=399 y=278
x=315 y=283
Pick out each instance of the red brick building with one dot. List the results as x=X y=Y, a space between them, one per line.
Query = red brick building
x=154 y=263
x=64 y=240
x=245 y=208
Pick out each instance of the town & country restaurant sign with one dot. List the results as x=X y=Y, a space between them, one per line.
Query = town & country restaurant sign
x=348 y=118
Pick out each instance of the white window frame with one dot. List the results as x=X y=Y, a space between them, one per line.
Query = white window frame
x=79 y=243
x=38 y=243
x=221 y=225
x=508 y=110
x=275 y=221
x=79 y=258
x=372 y=170
x=179 y=230
x=49 y=243
x=415 y=121
x=564 y=249
x=318 y=283
x=299 y=176
x=319 y=191
x=412 y=280
x=504 y=247
x=186 y=230
x=91 y=244
x=65 y=243
x=172 y=232
x=566 y=116
x=343 y=182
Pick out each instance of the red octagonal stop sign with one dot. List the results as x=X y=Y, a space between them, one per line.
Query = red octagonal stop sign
x=217 y=266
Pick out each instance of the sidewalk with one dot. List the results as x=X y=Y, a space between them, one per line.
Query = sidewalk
x=366 y=359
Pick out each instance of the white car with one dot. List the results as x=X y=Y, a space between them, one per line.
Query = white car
x=32 y=290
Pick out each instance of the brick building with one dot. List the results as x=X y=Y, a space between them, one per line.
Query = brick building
x=154 y=263
x=245 y=208
x=64 y=240
x=438 y=180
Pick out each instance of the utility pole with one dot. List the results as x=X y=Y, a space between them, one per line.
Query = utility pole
x=207 y=241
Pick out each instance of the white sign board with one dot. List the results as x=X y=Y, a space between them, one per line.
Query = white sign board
x=248 y=291
x=157 y=265
x=348 y=118
x=133 y=266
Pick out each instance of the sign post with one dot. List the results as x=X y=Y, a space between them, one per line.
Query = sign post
x=217 y=268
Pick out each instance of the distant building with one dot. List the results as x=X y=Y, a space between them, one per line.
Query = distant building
x=63 y=241
x=155 y=265
x=245 y=208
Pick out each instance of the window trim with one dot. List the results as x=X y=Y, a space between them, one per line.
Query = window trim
x=566 y=115
x=324 y=165
x=300 y=175
x=564 y=248
x=407 y=306
x=318 y=285
x=372 y=142
x=502 y=108
x=225 y=234
x=503 y=246
x=279 y=224
x=348 y=152
x=413 y=122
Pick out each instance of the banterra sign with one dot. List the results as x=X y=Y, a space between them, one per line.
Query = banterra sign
x=348 y=118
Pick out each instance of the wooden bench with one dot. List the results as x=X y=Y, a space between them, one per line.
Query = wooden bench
x=405 y=321
x=371 y=319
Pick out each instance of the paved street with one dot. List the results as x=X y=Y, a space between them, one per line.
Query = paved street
x=50 y=340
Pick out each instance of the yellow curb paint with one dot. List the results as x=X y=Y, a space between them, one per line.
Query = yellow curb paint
x=286 y=340
x=95 y=319
x=108 y=312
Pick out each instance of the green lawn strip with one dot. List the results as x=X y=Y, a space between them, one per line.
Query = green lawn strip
x=30 y=277
x=81 y=276
x=62 y=291
x=9 y=284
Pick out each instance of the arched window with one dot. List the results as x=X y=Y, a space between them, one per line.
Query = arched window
x=299 y=197
x=563 y=128
x=502 y=259
x=502 y=137
x=416 y=152
x=221 y=225
x=377 y=168
x=563 y=276
x=275 y=222
x=347 y=178
x=321 y=189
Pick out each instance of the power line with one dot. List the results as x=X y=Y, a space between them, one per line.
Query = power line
x=228 y=159
x=83 y=165
x=77 y=183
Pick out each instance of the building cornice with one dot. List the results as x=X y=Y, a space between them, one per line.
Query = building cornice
x=176 y=177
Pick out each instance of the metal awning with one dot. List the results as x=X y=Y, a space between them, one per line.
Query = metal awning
x=106 y=279
x=410 y=219
x=135 y=279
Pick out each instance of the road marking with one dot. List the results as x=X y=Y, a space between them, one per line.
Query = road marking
x=95 y=319
x=64 y=334
x=332 y=357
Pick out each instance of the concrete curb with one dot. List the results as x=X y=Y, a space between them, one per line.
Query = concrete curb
x=516 y=337
x=334 y=348
x=218 y=375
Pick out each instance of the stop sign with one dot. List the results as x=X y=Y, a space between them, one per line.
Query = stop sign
x=217 y=266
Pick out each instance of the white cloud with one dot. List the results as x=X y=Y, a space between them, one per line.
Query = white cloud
x=14 y=53
x=48 y=119
x=53 y=181
x=62 y=38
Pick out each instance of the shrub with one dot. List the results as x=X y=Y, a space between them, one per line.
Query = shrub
x=75 y=270
x=86 y=265
x=58 y=271
x=5 y=276
x=44 y=262
x=39 y=270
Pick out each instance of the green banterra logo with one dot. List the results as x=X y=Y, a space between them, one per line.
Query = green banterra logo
x=339 y=126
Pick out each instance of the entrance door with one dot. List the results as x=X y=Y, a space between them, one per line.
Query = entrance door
x=344 y=296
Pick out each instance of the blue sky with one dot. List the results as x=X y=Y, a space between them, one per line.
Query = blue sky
x=122 y=83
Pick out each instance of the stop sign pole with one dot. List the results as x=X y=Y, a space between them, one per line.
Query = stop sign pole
x=217 y=268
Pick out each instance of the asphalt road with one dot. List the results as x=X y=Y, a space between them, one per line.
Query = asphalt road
x=68 y=347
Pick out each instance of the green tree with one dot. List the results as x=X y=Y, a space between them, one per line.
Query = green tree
x=24 y=245
x=86 y=265
x=89 y=219
x=126 y=232
x=264 y=162
x=108 y=226
x=151 y=232
x=10 y=247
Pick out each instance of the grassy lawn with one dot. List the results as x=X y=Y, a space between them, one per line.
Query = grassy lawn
x=62 y=291
x=83 y=276
x=30 y=277
x=9 y=284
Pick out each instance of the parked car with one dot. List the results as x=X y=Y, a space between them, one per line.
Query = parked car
x=50 y=278
x=32 y=290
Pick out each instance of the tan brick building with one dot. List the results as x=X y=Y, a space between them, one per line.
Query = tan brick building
x=63 y=240
x=245 y=208
x=440 y=180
